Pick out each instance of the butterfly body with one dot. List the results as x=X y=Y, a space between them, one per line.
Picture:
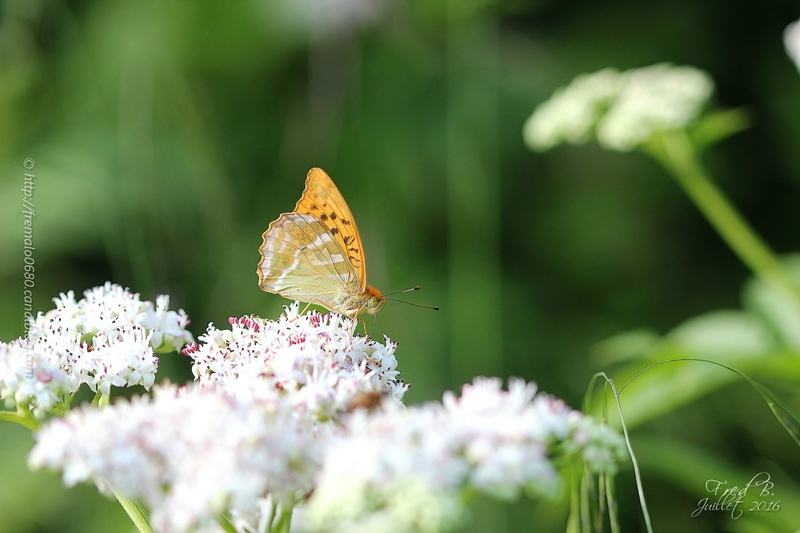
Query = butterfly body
x=314 y=253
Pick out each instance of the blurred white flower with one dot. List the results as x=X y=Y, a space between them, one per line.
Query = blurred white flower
x=332 y=17
x=653 y=99
x=791 y=39
x=313 y=360
x=189 y=454
x=570 y=115
x=109 y=308
x=621 y=109
x=407 y=469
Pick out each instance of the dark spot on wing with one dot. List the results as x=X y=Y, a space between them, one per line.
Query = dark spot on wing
x=314 y=208
x=334 y=231
x=354 y=250
x=323 y=217
x=333 y=216
x=345 y=222
x=348 y=239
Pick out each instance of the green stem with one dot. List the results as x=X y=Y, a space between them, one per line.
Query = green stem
x=284 y=521
x=576 y=481
x=136 y=513
x=675 y=153
x=225 y=524
x=101 y=400
x=21 y=418
x=636 y=473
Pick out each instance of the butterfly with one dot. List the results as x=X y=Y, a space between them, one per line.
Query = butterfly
x=314 y=254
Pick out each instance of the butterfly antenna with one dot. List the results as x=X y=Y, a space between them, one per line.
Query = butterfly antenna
x=411 y=289
x=409 y=303
x=404 y=290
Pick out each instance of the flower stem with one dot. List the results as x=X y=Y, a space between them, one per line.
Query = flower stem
x=225 y=524
x=101 y=400
x=284 y=520
x=21 y=419
x=675 y=153
x=136 y=513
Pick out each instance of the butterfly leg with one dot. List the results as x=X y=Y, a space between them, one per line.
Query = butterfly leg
x=317 y=302
x=353 y=315
x=363 y=323
x=306 y=308
x=301 y=313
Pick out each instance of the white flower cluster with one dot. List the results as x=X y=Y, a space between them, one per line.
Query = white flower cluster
x=273 y=421
x=104 y=340
x=189 y=453
x=109 y=308
x=621 y=109
x=407 y=470
x=791 y=39
x=32 y=375
x=314 y=361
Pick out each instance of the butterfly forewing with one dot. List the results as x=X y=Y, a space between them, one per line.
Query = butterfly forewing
x=301 y=260
x=323 y=201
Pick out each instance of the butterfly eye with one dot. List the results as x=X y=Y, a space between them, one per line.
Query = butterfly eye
x=373 y=302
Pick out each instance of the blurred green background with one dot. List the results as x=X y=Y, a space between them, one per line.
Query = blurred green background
x=167 y=135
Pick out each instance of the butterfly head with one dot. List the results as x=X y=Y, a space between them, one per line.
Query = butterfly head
x=375 y=301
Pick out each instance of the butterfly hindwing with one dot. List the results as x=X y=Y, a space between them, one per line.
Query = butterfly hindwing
x=322 y=200
x=302 y=260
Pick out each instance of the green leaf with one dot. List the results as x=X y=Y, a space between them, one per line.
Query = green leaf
x=625 y=346
x=718 y=125
x=720 y=335
x=776 y=307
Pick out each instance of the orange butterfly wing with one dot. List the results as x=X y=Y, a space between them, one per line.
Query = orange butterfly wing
x=321 y=199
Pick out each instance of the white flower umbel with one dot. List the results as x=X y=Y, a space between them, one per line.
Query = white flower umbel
x=791 y=39
x=571 y=114
x=189 y=453
x=105 y=340
x=315 y=361
x=621 y=110
x=124 y=359
x=109 y=308
x=36 y=373
x=408 y=469
x=32 y=375
x=653 y=99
